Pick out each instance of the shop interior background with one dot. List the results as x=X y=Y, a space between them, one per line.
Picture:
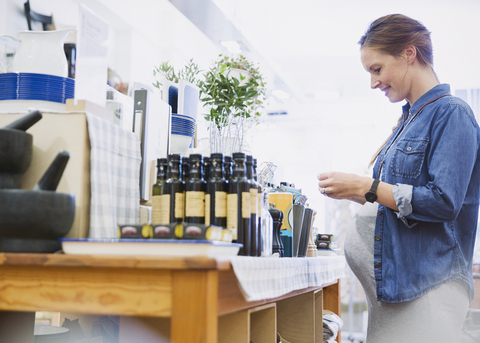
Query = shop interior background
x=307 y=49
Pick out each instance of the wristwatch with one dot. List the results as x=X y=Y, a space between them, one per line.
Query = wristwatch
x=371 y=195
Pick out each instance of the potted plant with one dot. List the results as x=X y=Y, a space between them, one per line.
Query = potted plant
x=167 y=72
x=234 y=90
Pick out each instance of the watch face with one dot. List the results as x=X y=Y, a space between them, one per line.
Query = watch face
x=370 y=196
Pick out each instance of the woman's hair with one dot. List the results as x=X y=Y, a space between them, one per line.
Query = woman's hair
x=391 y=34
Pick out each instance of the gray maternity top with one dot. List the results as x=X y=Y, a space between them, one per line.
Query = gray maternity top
x=436 y=316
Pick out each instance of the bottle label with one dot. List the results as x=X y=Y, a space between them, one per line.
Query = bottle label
x=195 y=204
x=220 y=204
x=232 y=214
x=253 y=199
x=179 y=205
x=207 y=209
x=164 y=209
x=246 y=204
x=156 y=209
x=259 y=210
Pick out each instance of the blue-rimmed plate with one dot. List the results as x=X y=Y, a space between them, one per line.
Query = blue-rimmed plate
x=149 y=247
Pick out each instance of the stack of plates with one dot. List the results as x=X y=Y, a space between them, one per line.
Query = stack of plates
x=29 y=86
x=183 y=131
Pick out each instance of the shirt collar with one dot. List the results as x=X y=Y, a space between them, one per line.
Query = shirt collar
x=431 y=94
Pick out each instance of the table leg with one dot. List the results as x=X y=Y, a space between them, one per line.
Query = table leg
x=194 y=306
x=331 y=301
x=17 y=327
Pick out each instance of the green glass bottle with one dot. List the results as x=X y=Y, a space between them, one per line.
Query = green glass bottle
x=238 y=204
x=195 y=188
x=228 y=168
x=185 y=165
x=260 y=208
x=173 y=199
x=206 y=168
x=254 y=243
x=216 y=196
x=157 y=190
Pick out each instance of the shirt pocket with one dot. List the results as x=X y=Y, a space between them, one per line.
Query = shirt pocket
x=408 y=157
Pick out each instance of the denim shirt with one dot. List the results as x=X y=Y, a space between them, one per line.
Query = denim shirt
x=434 y=164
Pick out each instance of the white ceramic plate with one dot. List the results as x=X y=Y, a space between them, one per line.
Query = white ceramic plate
x=149 y=247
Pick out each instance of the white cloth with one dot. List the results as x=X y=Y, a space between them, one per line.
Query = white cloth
x=266 y=278
x=114 y=176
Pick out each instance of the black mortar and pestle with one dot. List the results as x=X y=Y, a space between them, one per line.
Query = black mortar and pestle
x=16 y=147
x=32 y=221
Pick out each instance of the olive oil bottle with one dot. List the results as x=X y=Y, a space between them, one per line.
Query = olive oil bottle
x=254 y=244
x=228 y=168
x=195 y=188
x=206 y=168
x=173 y=198
x=216 y=196
x=238 y=204
x=185 y=166
x=157 y=190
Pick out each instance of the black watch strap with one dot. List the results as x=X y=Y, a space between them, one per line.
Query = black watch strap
x=371 y=195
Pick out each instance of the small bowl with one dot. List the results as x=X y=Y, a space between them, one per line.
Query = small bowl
x=27 y=214
x=179 y=143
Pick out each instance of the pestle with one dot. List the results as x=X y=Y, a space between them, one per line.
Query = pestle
x=52 y=176
x=25 y=122
x=16 y=147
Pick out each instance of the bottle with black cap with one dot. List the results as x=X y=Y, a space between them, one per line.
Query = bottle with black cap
x=216 y=196
x=195 y=188
x=259 y=208
x=173 y=197
x=206 y=168
x=157 y=189
x=254 y=229
x=185 y=166
x=238 y=204
x=228 y=168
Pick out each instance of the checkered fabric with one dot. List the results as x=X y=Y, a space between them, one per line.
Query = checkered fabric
x=265 y=278
x=115 y=177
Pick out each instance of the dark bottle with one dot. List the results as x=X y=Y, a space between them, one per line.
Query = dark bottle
x=185 y=166
x=259 y=208
x=216 y=196
x=254 y=243
x=206 y=168
x=195 y=188
x=228 y=168
x=157 y=190
x=238 y=204
x=277 y=216
x=173 y=192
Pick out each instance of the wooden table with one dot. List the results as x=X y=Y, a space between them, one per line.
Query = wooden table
x=188 y=290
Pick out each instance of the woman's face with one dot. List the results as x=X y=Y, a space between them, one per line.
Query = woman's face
x=388 y=73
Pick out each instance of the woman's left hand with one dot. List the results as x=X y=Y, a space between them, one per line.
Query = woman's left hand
x=338 y=185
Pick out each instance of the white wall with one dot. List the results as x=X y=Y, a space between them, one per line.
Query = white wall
x=143 y=33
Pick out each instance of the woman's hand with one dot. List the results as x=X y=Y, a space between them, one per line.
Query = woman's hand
x=337 y=185
x=352 y=187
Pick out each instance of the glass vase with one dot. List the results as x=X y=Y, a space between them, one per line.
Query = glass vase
x=229 y=137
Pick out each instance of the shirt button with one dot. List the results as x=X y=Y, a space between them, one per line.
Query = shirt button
x=377 y=238
x=409 y=148
x=377 y=265
x=379 y=212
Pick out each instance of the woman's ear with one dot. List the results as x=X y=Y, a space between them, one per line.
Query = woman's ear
x=410 y=53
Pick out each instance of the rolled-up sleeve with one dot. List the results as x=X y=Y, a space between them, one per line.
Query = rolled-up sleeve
x=402 y=194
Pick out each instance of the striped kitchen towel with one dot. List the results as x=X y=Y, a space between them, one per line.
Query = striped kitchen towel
x=114 y=176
